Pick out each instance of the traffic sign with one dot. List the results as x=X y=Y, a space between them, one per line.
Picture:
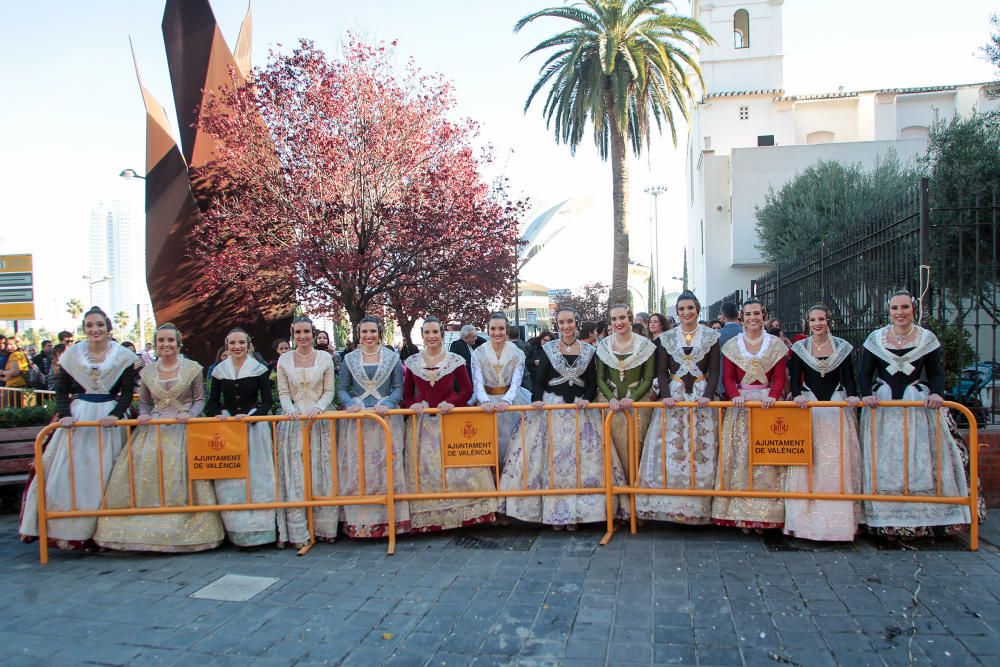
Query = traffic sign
x=17 y=294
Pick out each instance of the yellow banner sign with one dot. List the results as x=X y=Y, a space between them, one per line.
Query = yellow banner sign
x=469 y=440
x=17 y=311
x=15 y=263
x=218 y=450
x=780 y=437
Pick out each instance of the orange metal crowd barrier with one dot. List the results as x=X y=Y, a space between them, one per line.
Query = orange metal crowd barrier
x=609 y=490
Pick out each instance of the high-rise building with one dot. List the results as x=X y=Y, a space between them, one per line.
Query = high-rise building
x=117 y=251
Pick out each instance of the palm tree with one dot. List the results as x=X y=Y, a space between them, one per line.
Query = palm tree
x=74 y=308
x=625 y=63
x=121 y=319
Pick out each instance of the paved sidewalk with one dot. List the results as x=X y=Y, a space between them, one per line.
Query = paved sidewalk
x=513 y=596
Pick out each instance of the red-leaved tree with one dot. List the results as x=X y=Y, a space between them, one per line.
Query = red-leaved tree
x=351 y=182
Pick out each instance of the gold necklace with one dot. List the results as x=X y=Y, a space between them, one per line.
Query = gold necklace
x=564 y=348
x=688 y=337
x=901 y=340
x=95 y=364
x=822 y=365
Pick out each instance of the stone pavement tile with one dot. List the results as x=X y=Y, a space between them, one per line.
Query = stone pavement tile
x=714 y=656
x=670 y=654
x=672 y=635
x=622 y=653
x=100 y=652
x=672 y=619
x=407 y=659
x=593 y=650
x=366 y=656
x=716 y=637
x=982 y=647
x=291 y=650
x=810 y=640
x=446 y=659
x=534 y=648
x=847 y=642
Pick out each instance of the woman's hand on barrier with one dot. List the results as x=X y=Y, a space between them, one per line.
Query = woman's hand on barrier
x=853 y=401
x=313 y=413
x=615 y=405
x=767 y=402
x=801 y=401
x=445 y=407
x=353 y=407
x=419 y=408
x=501 y=406
x=870 y=401
x=489 y=407
x=934 y=401
x=703 y=401
x=626 y=403
x=240 y=417
x=183 y=417
x=538 y=405
x=108 y=421
x=581 y=403
x=739 y=402
x=381 y=409
x=669 y=402
x=144 y=419
x=67 y=422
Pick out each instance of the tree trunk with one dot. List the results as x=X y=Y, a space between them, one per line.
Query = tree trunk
x=356 y=313
x=619 y=197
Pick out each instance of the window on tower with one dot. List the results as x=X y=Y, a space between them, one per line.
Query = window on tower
x=741 y=29
x=744 y=113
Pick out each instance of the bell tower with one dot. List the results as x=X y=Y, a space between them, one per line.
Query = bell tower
x=747 y=55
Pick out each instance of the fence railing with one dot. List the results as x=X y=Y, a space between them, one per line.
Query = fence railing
x=17 y=397
x=388 y=496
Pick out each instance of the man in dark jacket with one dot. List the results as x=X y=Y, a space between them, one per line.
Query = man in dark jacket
x=466 y=344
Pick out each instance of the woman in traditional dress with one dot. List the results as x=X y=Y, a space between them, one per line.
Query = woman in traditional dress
x=172 y=388
x=896 y=357
x=101 y=376
x=566 y=374
x=435 y=378
x=371 y=378
x=241 y=387
x=497 y=371
x=688 y=362
x=753 y=369
x=626 y=367
x=305 y=390
x=820 y=369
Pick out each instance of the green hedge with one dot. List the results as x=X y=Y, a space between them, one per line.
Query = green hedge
x=38 y=415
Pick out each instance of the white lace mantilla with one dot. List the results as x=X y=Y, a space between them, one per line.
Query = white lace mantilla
x=387 y=360
x=755 y=366
x=498 y=372
x=418 y=366
x=642 y=349
x=701 y=344
x=926 y=343
x=571 y=374
x=97 y=378
x=226 y=369
x=841 y=350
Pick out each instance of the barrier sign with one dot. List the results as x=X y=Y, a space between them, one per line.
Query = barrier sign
x=468 y=440
x=780 y=437
x=218 y=451
x=17 y=294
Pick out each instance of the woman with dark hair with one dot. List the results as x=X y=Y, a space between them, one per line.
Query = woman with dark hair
x=753 y=369
x=305 y=390
x=172 y=388
x=820 y=369
x=371 y=378
x=571 y=455
x=497 y=370
x=534 y=354
x=100 y=375
x=626 y=366
x=241 y=387
x=681 y=445
x=436 y=378
x=902 y=455
x=278 y=347
x=658 y=324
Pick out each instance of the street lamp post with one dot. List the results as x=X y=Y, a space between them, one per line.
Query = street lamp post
x=654 y=255
x=91 y=282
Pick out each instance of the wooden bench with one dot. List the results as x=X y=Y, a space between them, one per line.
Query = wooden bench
x=17 y=451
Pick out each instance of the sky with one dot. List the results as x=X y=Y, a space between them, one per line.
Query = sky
x=73 y=118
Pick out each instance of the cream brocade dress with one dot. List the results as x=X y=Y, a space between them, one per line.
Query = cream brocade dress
x=180 y=532
x=300 y=390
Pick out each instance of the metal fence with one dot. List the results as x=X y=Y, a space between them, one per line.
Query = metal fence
x=943 y=247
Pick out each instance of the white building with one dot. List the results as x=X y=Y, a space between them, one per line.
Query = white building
x=117 y=251
x=747 y=135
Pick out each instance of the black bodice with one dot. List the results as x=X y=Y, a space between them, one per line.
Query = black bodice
x=248 y=395
x=930 y=366
x=545 y=374
x=802 y=375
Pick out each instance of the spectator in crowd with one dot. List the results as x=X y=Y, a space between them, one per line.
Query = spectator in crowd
x=53 y=374
x=588 y=332
x=65 y=337
x=468 y=342
x=3 y=357
x=43 y=360
x=603 y=329
x=731 y=327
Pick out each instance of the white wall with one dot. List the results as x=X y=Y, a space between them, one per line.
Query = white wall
x=727 y=68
